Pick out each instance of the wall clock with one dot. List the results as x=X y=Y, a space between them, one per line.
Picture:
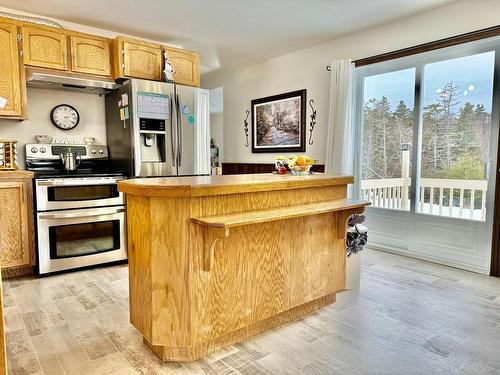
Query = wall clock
x=64 y=117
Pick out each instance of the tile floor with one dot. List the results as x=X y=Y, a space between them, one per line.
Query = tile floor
x=410 y=317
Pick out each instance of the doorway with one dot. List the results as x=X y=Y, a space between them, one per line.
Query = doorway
x=428 y=139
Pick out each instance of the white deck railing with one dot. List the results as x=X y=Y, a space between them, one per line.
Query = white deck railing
x=447 y=197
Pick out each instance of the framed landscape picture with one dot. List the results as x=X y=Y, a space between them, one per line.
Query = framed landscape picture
x=279 y=123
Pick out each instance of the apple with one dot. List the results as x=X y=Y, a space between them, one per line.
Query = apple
x=282 y=170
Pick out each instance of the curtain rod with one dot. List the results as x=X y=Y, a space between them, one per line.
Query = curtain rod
x=489 y=32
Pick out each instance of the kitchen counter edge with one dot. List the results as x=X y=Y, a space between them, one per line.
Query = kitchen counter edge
x=226 y=184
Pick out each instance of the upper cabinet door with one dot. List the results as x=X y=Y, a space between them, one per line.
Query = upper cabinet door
x=141 y=60
x=45 y=48
x=186 y=65
x=90 y=55
x=10 y=85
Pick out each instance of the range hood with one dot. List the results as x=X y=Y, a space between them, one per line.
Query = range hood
x=52 y=79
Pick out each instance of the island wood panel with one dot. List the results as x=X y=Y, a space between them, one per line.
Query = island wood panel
x=263 y=275
x=157 y=257
x=139 y=254
x=265 y=269
x=256 y=243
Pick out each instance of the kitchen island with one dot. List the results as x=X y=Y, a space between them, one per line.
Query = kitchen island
x=216 y=259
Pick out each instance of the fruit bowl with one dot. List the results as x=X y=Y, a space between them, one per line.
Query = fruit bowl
x=300 y=170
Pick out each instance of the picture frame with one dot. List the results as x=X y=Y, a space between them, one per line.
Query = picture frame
x=279 y=122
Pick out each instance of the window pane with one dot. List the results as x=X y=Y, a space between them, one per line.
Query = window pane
x=388 y=101
x=456 y=114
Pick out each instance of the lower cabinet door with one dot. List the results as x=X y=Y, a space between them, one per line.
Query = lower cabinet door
x=14 y=236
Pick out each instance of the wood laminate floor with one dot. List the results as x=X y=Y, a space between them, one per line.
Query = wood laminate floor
x=410 y=317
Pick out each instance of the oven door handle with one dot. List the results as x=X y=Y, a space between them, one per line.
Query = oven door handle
x=70 y=216
x=79 y=183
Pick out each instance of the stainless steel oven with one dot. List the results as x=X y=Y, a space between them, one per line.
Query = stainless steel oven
x=80 y=214
x=81 y=237
x=69 y=193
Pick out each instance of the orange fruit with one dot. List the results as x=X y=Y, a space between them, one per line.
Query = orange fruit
x=301 y=161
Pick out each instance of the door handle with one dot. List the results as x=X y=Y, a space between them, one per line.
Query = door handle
x=179 y=127
x=172 y=147
x=487 y=170
x=76 y=215
x=77 y=182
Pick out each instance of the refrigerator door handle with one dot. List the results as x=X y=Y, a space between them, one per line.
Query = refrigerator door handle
x=173 y=145
x=179 y=127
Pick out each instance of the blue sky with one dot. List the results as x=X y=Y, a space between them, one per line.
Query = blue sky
x=472 y=74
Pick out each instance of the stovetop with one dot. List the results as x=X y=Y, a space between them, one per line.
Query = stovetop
x=44 y=160
x=55 y=169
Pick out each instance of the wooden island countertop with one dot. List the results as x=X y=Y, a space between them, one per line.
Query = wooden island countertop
x=216 y=259
x=216 y=185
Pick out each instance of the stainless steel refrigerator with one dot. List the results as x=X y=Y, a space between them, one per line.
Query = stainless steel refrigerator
x=158 y=129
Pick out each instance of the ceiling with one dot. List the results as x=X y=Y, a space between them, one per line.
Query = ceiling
x=229 y=34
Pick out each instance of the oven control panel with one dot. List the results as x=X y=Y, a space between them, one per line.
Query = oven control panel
x=53 y=151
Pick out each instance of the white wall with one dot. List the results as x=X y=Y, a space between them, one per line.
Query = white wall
x=217 y=118
x=40 y=102
x=306 y=68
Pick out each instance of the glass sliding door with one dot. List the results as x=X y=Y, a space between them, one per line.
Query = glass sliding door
x=456 y=136
x=428 y=138
x=388 y=101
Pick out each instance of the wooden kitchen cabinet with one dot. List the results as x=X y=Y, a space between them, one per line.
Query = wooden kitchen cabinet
x=90 y=55
x=137 y=59
x=16 y=223
x=45 y=48
x=12 y=90
x=186 y=65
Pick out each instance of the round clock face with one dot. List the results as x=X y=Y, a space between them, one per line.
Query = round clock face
x=64 y=117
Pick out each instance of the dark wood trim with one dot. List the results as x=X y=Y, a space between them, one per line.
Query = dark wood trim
x=303 y=98
x=426 y=47
x=250 y=168
x=495 y=243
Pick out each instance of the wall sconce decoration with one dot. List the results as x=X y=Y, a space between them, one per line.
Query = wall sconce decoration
x=312 y=124
x=245 y=128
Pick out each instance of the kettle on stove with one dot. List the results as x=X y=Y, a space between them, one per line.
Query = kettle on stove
x=70 y=160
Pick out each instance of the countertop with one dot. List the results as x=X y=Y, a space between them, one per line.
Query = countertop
x=15 y=175
x=229 y=184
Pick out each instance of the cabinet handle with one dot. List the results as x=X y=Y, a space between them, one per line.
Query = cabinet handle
x=23 y=193
x=123 y=59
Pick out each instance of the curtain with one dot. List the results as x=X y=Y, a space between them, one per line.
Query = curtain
x=340 y=138
x=202 y=132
